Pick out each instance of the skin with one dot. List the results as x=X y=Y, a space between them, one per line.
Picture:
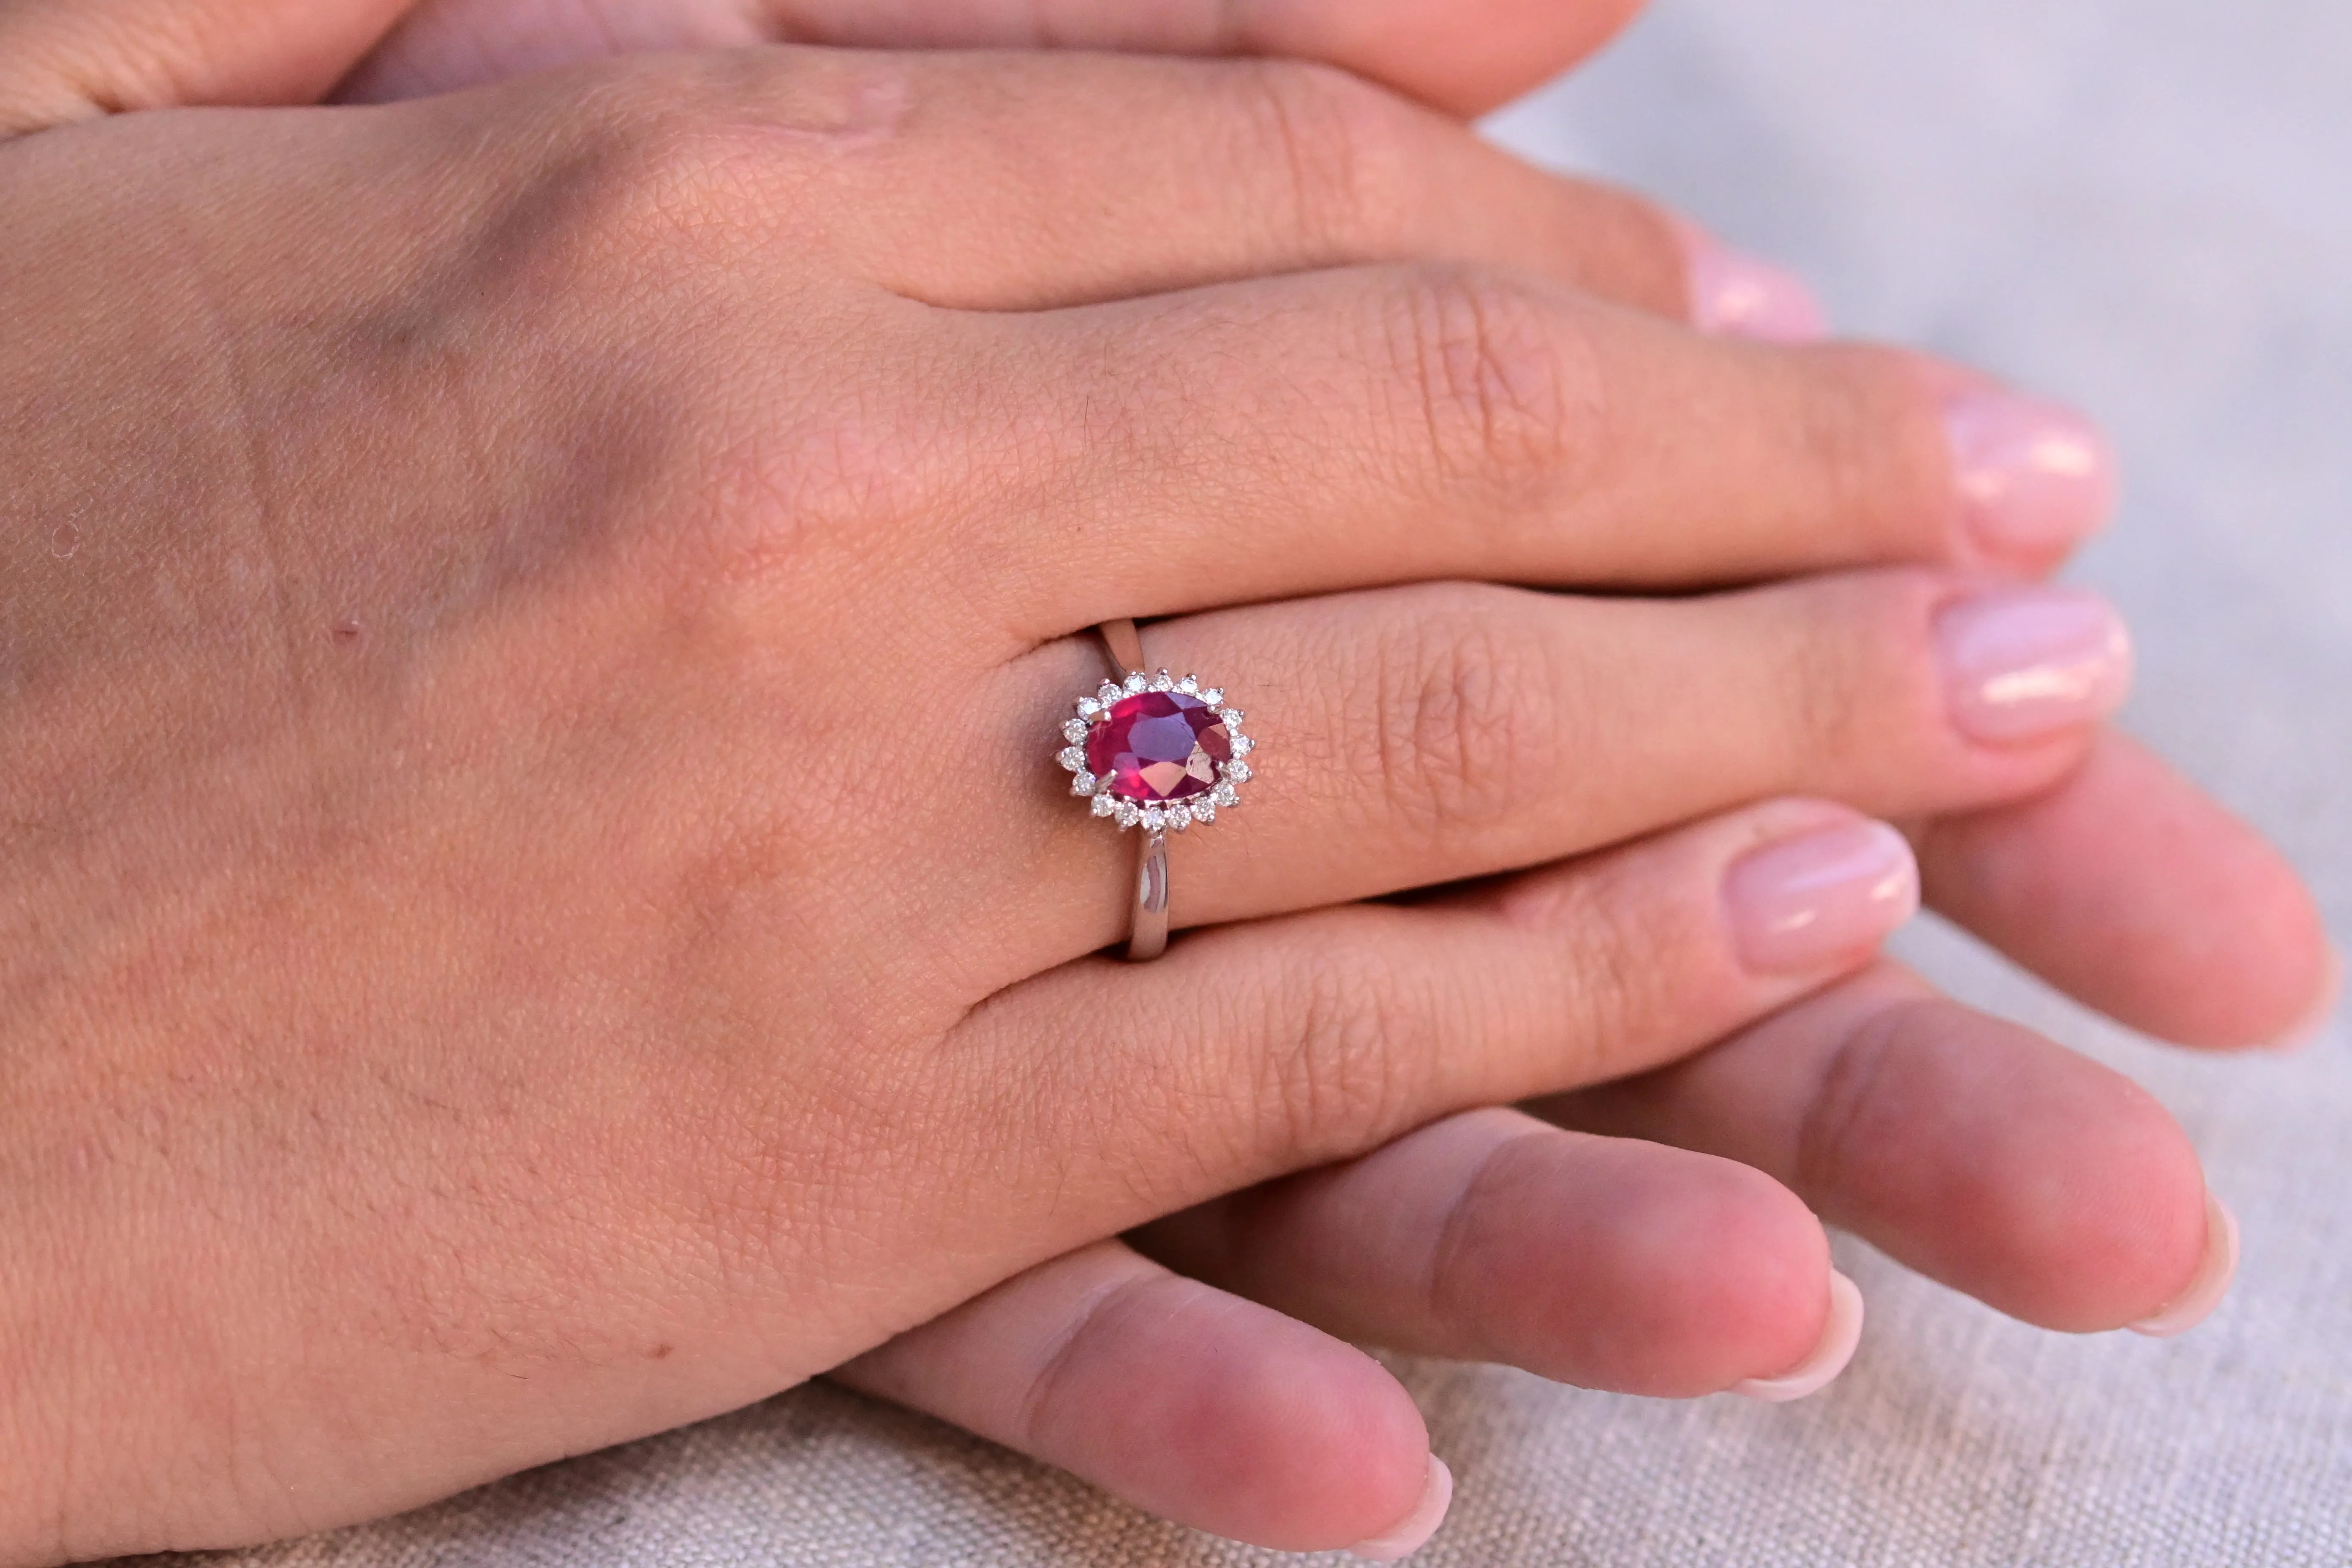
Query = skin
x=554 y=896
x=2214 y=949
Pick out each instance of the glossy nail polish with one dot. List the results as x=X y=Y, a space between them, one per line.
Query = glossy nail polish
x=1412 y=1532
x=2034 y=478
x=1741 y=296
x=2217 y=1267
x=1821 y=899
x=2024 y=663
x=1840 y=1337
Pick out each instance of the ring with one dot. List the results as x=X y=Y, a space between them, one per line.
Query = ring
x=1158 y=753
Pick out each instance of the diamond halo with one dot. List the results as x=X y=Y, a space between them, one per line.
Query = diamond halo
x=1156 y=752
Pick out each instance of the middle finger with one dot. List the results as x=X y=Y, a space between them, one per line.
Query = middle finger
x=1388 y=424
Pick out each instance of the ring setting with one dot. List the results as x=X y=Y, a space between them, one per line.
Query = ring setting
x=1157 y=752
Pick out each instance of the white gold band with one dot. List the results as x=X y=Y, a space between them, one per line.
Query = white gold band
x=1149 y=938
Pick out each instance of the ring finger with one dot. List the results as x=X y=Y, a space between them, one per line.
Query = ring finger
x=1416 y=736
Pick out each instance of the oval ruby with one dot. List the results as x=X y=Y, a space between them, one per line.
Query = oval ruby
x=1158 y=746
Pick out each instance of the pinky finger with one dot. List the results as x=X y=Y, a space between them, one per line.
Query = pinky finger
x=1193 y=1403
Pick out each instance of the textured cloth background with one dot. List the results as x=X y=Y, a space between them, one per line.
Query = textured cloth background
x=2142 y=205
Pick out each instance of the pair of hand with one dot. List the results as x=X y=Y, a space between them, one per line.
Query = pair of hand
x=540 y=907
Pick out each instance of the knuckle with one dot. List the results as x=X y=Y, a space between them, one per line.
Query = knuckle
x=1059 y=1395
x=1462 y=713
x=659 y=184
x=1460 y=1262
x=635 y=187
x=812 y=489
x=1834 y=1136
x=1347 y=1037
x=1340 y=142
x=1611 y=1001
x=1870 y=433
x=1492 y=385
x=710 y=156
x=1855 y=666
x=1614 y=1003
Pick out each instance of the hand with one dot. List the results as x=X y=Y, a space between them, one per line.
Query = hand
x=2216 y=944
x=1814 y=1309
x=2213 y=942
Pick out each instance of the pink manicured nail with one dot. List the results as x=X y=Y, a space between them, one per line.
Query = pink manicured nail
x=2034 y=478
x=2214 y=1272
x=1741 y=296
x=1840 y=1337
x=1412 y=1532
x=2020 y=664
x=1808 y=903
x=2323 y=1011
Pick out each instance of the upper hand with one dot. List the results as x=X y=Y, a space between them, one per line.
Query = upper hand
x=661 y=545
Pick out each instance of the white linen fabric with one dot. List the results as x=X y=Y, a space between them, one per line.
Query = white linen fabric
x=2143 y=205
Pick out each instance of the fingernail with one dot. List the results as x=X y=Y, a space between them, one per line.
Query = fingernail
x=2323 y=1011
x=1737 y=295
x=1413 y=1530
x=1807 y=903
x=2214 y=1272
x=2035 y=477
x=2020 y=664
x=1810 y=1376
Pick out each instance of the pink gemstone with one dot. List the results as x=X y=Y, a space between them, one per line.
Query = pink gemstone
x=1158 y=745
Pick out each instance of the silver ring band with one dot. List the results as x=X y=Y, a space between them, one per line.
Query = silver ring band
x=1153 y=751
x=1149 y=936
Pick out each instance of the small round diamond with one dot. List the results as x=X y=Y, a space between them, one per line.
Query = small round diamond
x=1128 y=812
x=1088 y=708
x=1104 y=805
x=1072 y=757
x=1083 y=784
x=1189 y=687
x=1238 y=773
x=1075 y=730
x=1214 y=695
x=1204 y=810
x=1243 y=745
x=1225 y=795
x=1154 y=819
x=1137 y=681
